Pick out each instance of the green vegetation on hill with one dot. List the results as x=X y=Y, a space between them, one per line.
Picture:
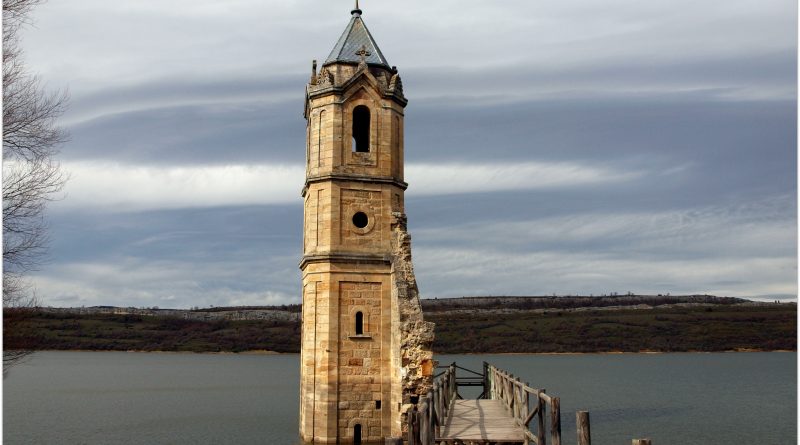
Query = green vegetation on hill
x=571 y=302
x=466 y=328
x=694 y=328
x=107 y=332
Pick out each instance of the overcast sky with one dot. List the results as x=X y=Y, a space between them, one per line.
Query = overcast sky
x=552 y=146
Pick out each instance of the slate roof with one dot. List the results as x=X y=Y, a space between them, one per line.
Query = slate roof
x=355 y=35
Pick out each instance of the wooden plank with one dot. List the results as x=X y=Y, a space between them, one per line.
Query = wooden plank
x=482 y=420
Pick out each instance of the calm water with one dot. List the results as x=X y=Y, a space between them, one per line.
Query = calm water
x=143 y=398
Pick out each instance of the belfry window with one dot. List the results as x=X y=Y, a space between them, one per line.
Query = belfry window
x=361 y=129
x=359 y=323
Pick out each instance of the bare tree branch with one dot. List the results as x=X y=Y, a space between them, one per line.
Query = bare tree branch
x=31 y=176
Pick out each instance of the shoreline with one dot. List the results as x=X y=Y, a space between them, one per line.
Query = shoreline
x=265 y=352
x=141 y=351
x=727 y=351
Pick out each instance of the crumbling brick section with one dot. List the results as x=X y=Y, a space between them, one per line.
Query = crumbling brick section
x=416 y=334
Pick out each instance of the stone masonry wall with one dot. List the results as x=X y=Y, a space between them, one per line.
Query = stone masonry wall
x=360 y=360
x=371 y=203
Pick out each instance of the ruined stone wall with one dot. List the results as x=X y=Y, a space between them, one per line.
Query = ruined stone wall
x=415 y=334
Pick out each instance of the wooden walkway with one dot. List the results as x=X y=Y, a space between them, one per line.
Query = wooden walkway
x=483 y=421
x=507 y=412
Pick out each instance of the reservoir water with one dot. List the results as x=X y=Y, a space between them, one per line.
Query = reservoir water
x=162 y=398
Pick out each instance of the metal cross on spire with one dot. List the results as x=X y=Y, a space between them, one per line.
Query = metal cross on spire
x=357 y=10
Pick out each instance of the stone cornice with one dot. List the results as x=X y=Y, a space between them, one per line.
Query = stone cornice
x=353 y=177
x=339 y=90
x=335 y=257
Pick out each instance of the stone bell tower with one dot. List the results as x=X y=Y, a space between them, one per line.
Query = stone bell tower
x=365 y=351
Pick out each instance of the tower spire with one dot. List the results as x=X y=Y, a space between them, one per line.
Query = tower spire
x=354 y=36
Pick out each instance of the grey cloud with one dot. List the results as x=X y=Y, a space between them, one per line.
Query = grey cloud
x=169 y=92
x=119 y=44
x=741 y=76
x=202 y=134
x=724 y=145
x=702 y=96
x=763 y=229
x=249 y=255
x=185 y=235
x=234 y=255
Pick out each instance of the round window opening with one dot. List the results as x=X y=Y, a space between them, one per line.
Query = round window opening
x=360 y=220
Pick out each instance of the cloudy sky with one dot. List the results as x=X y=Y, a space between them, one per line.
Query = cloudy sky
x=552 y=146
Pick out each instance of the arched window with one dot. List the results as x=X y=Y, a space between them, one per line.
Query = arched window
x=361 y=129
x=359 y=323
x=357 y=434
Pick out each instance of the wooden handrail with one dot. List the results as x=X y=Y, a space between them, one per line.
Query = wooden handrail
x=524 y=402
x=516 y=396
x=424 y=421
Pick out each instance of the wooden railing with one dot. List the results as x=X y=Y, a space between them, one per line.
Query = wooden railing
x=426 y=419
x=526 y=404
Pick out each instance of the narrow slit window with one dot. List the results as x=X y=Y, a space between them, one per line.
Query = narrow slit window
x=359 y=323
x=357 y=434
x=361 y=124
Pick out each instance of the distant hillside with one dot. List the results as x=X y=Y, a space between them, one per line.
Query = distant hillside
x=571 y=302
x=291 y=312
x=476 y=324
x=254 y=313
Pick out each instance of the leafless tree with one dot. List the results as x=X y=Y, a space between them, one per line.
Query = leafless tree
x=31 y=175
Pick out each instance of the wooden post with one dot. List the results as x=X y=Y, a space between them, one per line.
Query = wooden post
x=437 y=393
x=432 y=424
x=540 y=419
x=584 y=433
x=641 y=442
x=527 y=405
x=555 y=421
x=435 y=406
x=413 y=427
x=451 y=391
x=420 y=424
x=417 y=432
x=453 y=386
x=486 y=394
x=446 y=391
x=425 y=435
